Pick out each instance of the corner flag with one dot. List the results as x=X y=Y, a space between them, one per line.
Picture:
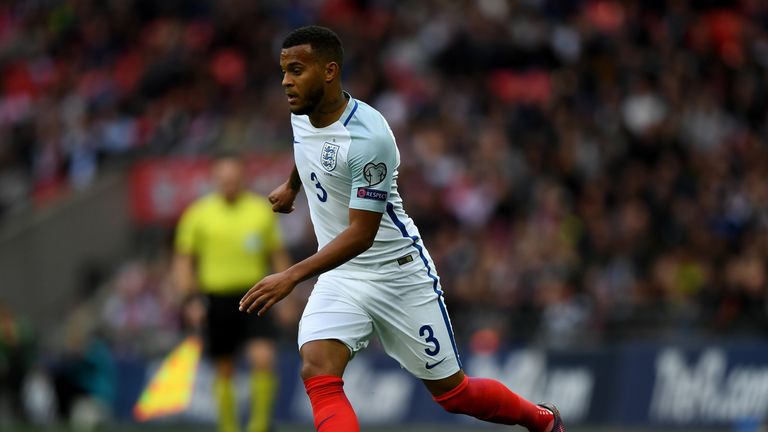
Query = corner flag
x=170 y=389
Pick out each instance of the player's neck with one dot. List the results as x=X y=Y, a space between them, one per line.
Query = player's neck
x=329 y=110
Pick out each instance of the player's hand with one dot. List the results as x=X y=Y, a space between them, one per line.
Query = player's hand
x=282 y=198
x=267 y=292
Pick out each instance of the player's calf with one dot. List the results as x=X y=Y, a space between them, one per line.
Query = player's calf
x=491 y=401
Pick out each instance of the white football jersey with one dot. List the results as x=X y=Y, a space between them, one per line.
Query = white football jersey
x=353 y=163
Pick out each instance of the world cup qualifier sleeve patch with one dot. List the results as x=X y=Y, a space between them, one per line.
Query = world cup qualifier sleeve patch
x=372 y=194
x=374 y=173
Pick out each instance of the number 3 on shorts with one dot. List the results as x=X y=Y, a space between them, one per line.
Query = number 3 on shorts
x=427 y=329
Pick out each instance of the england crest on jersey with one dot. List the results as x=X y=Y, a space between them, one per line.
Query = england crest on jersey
x=328 y=156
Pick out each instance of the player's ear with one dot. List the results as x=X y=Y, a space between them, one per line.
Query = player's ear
x=332 y=70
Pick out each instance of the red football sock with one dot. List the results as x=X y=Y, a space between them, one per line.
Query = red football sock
x=490 y=400
x=330 y=406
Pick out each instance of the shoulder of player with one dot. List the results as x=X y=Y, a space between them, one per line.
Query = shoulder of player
x=366 y=116
x=368 y=125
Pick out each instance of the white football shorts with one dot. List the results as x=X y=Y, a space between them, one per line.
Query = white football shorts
x=401 y=304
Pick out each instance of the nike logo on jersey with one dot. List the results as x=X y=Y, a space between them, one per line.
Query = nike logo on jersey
x=430 y=366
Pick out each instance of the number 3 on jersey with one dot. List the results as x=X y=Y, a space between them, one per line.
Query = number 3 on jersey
x=324 y=196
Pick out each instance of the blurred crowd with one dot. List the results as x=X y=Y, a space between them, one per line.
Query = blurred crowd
x=582 y=172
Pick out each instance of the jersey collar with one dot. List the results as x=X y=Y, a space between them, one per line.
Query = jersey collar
x=350 y=109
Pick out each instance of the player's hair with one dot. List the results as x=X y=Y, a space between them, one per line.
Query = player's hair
x=324 y=42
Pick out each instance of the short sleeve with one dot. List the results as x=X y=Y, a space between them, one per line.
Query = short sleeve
x=372 y=162
x=185 y=242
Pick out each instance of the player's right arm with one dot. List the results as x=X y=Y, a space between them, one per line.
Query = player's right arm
x=273 y=242
x=283 y=196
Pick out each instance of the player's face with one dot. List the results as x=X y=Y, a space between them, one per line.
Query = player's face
x=303 y=78
x=228 y=175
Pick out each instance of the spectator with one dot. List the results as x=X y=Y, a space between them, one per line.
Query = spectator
x=17 y=352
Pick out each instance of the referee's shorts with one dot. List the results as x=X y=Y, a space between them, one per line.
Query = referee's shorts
x=227 y=328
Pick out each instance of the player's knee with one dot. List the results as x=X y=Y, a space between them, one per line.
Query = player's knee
x=311 y=367
x=323 y=358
